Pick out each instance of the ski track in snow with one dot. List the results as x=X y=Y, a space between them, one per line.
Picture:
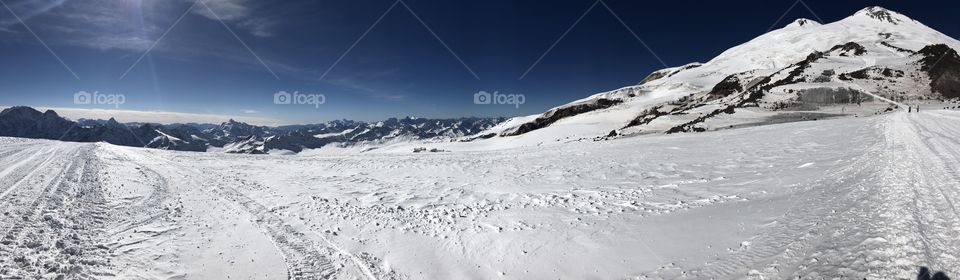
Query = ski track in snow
x=850 y=198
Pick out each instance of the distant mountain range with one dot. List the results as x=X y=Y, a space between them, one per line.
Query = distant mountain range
x=233 y=136
x=875 y=57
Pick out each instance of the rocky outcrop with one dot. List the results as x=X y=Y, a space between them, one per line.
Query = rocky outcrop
x=848 y=49
x=942 y=65
x=664 y=73
x=560 y=113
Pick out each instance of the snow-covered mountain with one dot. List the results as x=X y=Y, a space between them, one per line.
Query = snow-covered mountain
x=868 y=63
x=804 y=70
x=233 y=131
x=237 y=137
x=346 y=132
x=28 y=123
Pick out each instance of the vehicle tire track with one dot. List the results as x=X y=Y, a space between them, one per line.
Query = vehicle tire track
x=139 y=227
x=59 y=234
x=5 y=175
x=149 y=209
x=941 y=154
x=934 y=156
x=304 y=258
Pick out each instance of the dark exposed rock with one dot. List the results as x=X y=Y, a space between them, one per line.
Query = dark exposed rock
x=755 y=93
x=730 y=85
x=887 y=72
x=691 y=125
x=881 y=14
x=557 y=114
x=877 y=73
x=848 y=48
x=803 y=22
x=942 y=65
x=859 y=74
x=899 y=49
x=663 y=73
x=646 y=117
x=825 y=76
x=656 y=75
x=796 y=75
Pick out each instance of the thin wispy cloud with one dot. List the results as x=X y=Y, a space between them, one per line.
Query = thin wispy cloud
x=260 y=27
x=103 y=25
x=138 y=26
x=227 y=10
x=241 y=13
x=132 y=25
x=151 y=26
x=27 y=9
x=365 y=84
x=84 y=25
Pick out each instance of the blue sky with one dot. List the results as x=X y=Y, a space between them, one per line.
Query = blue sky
x=398 y=69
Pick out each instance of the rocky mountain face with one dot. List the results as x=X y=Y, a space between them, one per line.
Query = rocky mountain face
x=852 y=65
x=28 y=123
x=233 y=136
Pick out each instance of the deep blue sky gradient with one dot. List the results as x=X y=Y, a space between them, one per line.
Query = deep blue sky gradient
x=398 y=69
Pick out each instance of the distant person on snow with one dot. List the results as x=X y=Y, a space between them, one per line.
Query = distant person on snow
x=925 y=275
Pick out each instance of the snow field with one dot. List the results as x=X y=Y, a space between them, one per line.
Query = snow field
x=868 y=197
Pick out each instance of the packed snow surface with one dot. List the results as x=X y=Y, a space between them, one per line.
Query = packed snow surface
x=870 y=197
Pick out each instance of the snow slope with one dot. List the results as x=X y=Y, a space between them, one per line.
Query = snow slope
x=871 y=197
x=759 y=73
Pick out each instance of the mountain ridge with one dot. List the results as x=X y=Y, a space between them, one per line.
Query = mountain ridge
x=803 y=67
x=233 y=136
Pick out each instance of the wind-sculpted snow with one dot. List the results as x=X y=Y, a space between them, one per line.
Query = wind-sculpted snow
x=870 y=197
